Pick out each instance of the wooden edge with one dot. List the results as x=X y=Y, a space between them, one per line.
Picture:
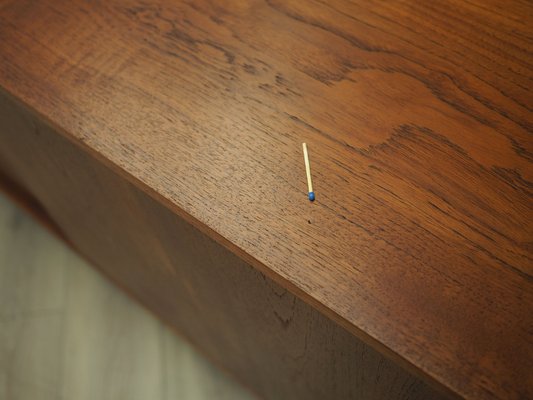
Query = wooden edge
x=218 y=238
x=28 y=204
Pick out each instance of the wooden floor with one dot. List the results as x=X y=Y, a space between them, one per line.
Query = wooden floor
x=67 y=333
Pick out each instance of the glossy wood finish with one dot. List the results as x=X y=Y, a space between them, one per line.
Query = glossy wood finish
x=274 y=342
x=419 y=128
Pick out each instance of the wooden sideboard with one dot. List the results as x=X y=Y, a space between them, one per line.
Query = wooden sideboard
x=162 y=139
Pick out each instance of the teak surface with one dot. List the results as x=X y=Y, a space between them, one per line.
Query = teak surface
x=275 y=343
x=417 y=117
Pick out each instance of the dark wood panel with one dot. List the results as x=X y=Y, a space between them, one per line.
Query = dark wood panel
x=418 y=120
x=277 y=344
x=67 y=333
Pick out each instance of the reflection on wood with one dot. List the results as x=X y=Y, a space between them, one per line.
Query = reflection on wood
x=66 y=333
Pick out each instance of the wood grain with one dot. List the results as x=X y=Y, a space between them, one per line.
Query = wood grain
x=418 y=118
x=276 y=344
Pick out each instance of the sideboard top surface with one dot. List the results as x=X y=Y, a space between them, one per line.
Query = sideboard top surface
x=418 y=121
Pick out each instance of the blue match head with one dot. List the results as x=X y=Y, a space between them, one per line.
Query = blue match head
x=312 y=196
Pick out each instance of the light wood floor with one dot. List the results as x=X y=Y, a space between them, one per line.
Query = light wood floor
x=67 y=333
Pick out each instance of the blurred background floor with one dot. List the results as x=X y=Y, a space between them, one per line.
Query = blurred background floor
x=67 y=333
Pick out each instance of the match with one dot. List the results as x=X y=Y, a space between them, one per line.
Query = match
x=308 y=173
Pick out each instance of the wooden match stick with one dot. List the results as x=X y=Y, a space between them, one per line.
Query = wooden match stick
x=308 y=173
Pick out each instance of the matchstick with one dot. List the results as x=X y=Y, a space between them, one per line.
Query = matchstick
x=308 y=173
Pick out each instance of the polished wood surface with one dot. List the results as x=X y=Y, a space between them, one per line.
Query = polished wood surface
x=275 y=343
x=418 y=122
x=67 y=333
